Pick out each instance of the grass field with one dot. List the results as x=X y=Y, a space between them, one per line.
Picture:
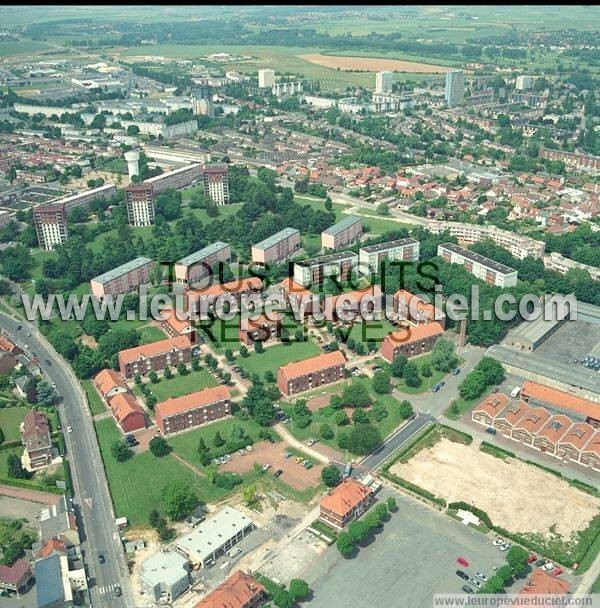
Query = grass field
x=180 y=385
x=136 y=485
x=96 y=404
x=151 y=333
x=21 y=47
x=274 y=357
x=10 y=419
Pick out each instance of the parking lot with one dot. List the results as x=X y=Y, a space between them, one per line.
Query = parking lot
x=413 y=558
x=294 y=474
x=574 y=340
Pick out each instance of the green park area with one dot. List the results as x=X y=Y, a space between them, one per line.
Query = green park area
x=178 y=385
x=10 y=419
x=273 y=357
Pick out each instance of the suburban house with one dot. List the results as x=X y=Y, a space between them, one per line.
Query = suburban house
x=310 y=373
x=411 y=341
x=346 y=502
x=195 y=409
x=58 y=521
x=127 y=412
x=238 y=591
x=262 y=329
x=590 y=455
x=109 y=383
x=487 y=410
x=15 y=577
x=9 y=347
x=35 y=436
x=154 y=356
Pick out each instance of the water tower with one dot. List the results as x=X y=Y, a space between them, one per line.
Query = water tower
x=132 y=157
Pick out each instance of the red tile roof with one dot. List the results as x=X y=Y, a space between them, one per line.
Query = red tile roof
x=189 y=402
x=345 y=497
x=578 y=435
x=238 y=591
x=541 y=583
x=492 y=405
x=314 y=364
x=123 y=405
x=35 y=434
x=560 y=399
x=107 y=380
x=154 y=349
x=534 y=420
x=14 y=575
x=415 y=333
x=217 y=289
x=513 y=412
x=555 y=428
x=52 y=546
x=171 y=319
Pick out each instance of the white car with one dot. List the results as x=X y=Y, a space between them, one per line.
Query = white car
x=475 y=582
x=498 y=541
x=482 y=576
x=69 y=429
x=505 y=547
x=249 y=448
x=266 y=467
x=547 y=567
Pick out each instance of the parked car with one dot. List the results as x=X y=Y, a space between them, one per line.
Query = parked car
x=347 y=471
x=498 y=541
x=475 y=583
x=299 y=459
x=289 y=454
x=248 y=448
x=462 y=561
x=462 y=575
x=270 y=439
x=69 y=429
x=441 y=383
x=278 y=473
x=532 y=558
x=287 y=420
x=548 y=567
x=482 y=576
x=467 y=589
x=308 y=465
x=233 y=552
x=118 y=591
x=557 y=571
x=435 y=389
x=539 y=563
x=266 y=467
x=456 y=371
x=312 y=441
x=505 y=547
x=101 y=558
x=490 y=430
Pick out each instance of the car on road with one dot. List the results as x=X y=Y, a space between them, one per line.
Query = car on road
x=69 y=429
x=48 y=362
x=462 y=575
x=347 y=471
x=548 y=566
x=312 y=441
x=557 y=571
x=19 y=327
x=475 y=582
x=118 y=591
x=462 y=561
x=482 y=576
x=101 y=558
x=278 y=473
x=467 y=589
x=456 y=371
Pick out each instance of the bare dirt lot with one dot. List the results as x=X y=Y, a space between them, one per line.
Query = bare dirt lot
x=294 y=474
x=517 y=496
x=374 y=64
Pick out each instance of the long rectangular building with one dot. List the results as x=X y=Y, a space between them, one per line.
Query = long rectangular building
x=154 y=356
x=342 y=234
x=83 y=199
x=310 y=373
x=177 y=179
x=50 y=223
x=315 y=270
x=195 y=266
x=277 y=247
x=139 y=200
x=123 y=279
x=195 y=409
x=406 y=250
x=483 y=268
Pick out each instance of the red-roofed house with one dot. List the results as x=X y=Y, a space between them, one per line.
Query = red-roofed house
x=411 y=341
x=526 y=429
x=510 y=416
x=109 y=383
x=572 y=443
x=15 y=577
x=178 y=414
x=346 y=502
x=127 y=412
x=154 y=356
x=238 y=591
x=416 y=310
x=174 y=326
x=310 y=373
x=487 y=410
x=542 y=583
x=550 y=434
x=590 y=455
x=35 y=436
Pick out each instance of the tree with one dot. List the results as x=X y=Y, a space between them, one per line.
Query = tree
x=411 y=374
x=341 y=418
x=154 y=518
x=345 y=544
x=492 y=370
x=381 y=382
x=153 y=376
x=405 y=409
x=359 y=416
x=258 y=346
x=516 y=558
x=358 y=531
x=178 y=499
x=218 y=440
x=244 y=351
x=473 y=385
x=381 y=510
x=391 y=504
x=46 y=395
x=159 y=446
x=196 y=364
x=121 y=451
x=326 y=431
x=356 y=395
x=250 y=494
x=443 y=355
x=426 y=370
x=269 y=376
x=330 y=476
x=15 y=468
x=151 y=400
x=182 y=369
x=363 y=438
x=298 y=589
x=282 y=599
x=167 y=373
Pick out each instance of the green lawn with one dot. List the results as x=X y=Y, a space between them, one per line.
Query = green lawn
x=273 y=357
x=181 y=385
x=596 y=586
x=21 y=46
x=96 y=404
x=10 y=419
x=136 y=485
x=462 y=406
x=152 y=333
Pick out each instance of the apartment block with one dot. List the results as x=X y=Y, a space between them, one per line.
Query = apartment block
x=557 y=262
x=406 y=250
x=216 y=183
x=266 y=78
x=177 y=179
x=342 y=234
x=315 y=270
x=383 y=82
x=411 y=341
x=197 y=265
x=154 y=356
x=310 y=373
x=279 y=89
x=455 y=89
x=83 y=199
x=277 y=247
x=50 y=222
x=123 y=279
x=345 y=503
x=493 y=273
x=574 y=160
x=195 y=409
x=139 y=199
x=524 y=82
x=416 y=310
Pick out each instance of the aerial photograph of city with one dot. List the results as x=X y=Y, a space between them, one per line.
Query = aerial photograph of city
x=299 y=306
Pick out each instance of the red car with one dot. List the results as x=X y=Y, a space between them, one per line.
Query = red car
x=557 y=571
x=532 y=558
x=462 y=561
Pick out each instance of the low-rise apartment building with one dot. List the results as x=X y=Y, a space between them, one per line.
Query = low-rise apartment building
x=406 y=250
x=238 y=591
x=310 y=373
x=342 y=234
x=315 y=270
x=127 y=412
x=493 y=273
x=415 y=309
x=197 y=265
x=411 y=341
x=345 y=503
x=205 y=297
x=195 y=409
x=154 y=356
x=266 y=328
x=277 y=247
x=557 y=262
x=123 y=279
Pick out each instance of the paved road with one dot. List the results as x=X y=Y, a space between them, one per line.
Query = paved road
x=91 y=495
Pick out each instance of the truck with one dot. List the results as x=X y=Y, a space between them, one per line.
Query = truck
x=515 y=392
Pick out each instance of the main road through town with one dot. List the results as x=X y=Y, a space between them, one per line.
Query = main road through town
x=91 y=495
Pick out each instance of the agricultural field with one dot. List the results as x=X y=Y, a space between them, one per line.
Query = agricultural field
x=21 y=47
x=349 y=63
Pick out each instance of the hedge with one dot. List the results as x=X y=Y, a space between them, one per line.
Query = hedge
x=415 y=489
x=483 y=516
x=23 y=483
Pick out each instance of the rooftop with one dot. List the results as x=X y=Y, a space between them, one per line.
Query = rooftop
x=535 y=329
x=166 y=567
x=561 y=399
x=272 y=240
x=157 y=178
x=314 y=364
x=202 y=254
x=389 y=245
x=119 y=271
x=415 y=332
x=342 y=225
x=329 y=259
x=177 y=405
x=342 y=499
x=154 y=349
x=235 y=592
x=479 y=259
x=108 y=379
